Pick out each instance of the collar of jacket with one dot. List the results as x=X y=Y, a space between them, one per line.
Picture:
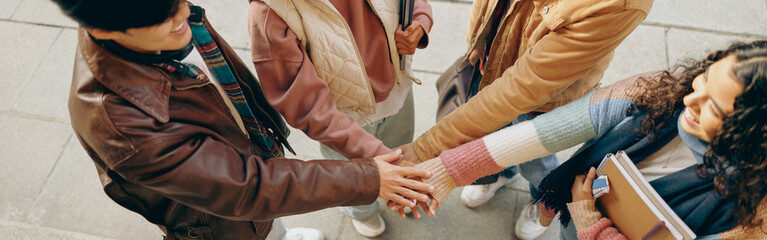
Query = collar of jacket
x=145 y=86
x=132 y=75
x=145 y=58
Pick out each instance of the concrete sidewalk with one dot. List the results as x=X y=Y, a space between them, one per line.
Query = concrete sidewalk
x=49 y=188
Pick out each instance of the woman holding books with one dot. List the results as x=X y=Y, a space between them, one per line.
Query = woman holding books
x=698 y=135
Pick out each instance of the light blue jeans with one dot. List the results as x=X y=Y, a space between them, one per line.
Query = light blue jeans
x=393 y=131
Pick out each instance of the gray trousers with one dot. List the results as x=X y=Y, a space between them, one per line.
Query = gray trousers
x=393 y=131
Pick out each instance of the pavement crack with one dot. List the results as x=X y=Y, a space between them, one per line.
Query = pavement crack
x=665 y=43
x=31 y=116
x=50 y=173
x=13 y=14
x=705 y=30
x=37 y=24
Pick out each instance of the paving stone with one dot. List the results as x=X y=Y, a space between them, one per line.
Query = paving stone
x=230 y=18
x=642 y=51
x=28 y=46
x=743 y=16
x=42 y=12
x=446 y=39
x=50 y=83
x=425 y=97
x=493 y=220
x=9 y=7
x=329 y=221
x=21 y=231
x=684 y=44
x=305 y=147
x=74 y=190
x=30 y=150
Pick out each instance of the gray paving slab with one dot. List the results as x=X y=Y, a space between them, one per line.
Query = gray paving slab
x=425 y=97
x=329 y=221
x=446 y=39
x=305 y=147
x=50 y=83
x=42 y=12
x=683 y=44
x=27 y=45
x=230 y=18
x=742 y=16
x=9 y=6
x=30 y=150
x=21 y=231
x=642 y=51
x=75 y=192
x=494 y=220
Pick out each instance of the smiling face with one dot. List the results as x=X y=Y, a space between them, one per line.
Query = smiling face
x=172 y=34
x=712 y=99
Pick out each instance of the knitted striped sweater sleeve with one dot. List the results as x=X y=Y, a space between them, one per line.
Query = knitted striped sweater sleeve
x=585 y=118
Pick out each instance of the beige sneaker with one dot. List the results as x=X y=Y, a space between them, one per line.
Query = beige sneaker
x=371 y=227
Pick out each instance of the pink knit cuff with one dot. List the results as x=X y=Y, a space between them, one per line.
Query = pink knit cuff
x=469 y=162
x=603 y=229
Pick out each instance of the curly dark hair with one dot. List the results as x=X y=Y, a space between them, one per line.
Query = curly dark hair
x=737 y=155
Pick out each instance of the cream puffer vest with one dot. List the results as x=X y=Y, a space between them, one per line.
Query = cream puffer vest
x=329 y=41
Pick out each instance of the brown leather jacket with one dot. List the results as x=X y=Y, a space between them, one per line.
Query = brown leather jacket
x=167 y=147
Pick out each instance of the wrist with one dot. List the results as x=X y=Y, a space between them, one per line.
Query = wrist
x=584 y=214
x=440 y=178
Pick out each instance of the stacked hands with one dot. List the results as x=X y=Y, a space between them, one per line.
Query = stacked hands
x=402 y=183
x=406 y=185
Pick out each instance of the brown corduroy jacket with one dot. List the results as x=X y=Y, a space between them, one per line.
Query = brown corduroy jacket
x=545 y=54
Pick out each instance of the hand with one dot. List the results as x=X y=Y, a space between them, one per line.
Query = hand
x=395 y=184
x=475 y=55
x=409 y=157
x=582 y=186
x=429 y=208
x=408 y=40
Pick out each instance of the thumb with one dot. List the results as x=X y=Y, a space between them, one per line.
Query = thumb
x=590 y=177
x=389 y=157
x=410 y=30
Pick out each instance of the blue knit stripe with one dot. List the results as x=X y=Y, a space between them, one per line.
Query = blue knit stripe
x=565 y=126
x=606 y=114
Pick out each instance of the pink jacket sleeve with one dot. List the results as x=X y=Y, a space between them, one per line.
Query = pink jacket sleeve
x=589 y=222
x=292 y=87
x=423 y=15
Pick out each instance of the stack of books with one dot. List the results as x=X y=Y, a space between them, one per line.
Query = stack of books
x=634 y=207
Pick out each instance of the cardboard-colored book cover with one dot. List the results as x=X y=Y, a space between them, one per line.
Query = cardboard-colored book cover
x=636 y=210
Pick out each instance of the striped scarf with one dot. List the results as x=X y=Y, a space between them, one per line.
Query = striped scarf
x=207 y=47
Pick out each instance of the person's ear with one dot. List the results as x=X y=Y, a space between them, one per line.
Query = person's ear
x=103 y=34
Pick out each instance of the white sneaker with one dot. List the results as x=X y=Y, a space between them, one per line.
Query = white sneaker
x=475 y=195
x=370 y=228
x=303 y=234
x=528 y=226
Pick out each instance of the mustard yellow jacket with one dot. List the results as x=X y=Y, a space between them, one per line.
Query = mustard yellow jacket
x=545 y=54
